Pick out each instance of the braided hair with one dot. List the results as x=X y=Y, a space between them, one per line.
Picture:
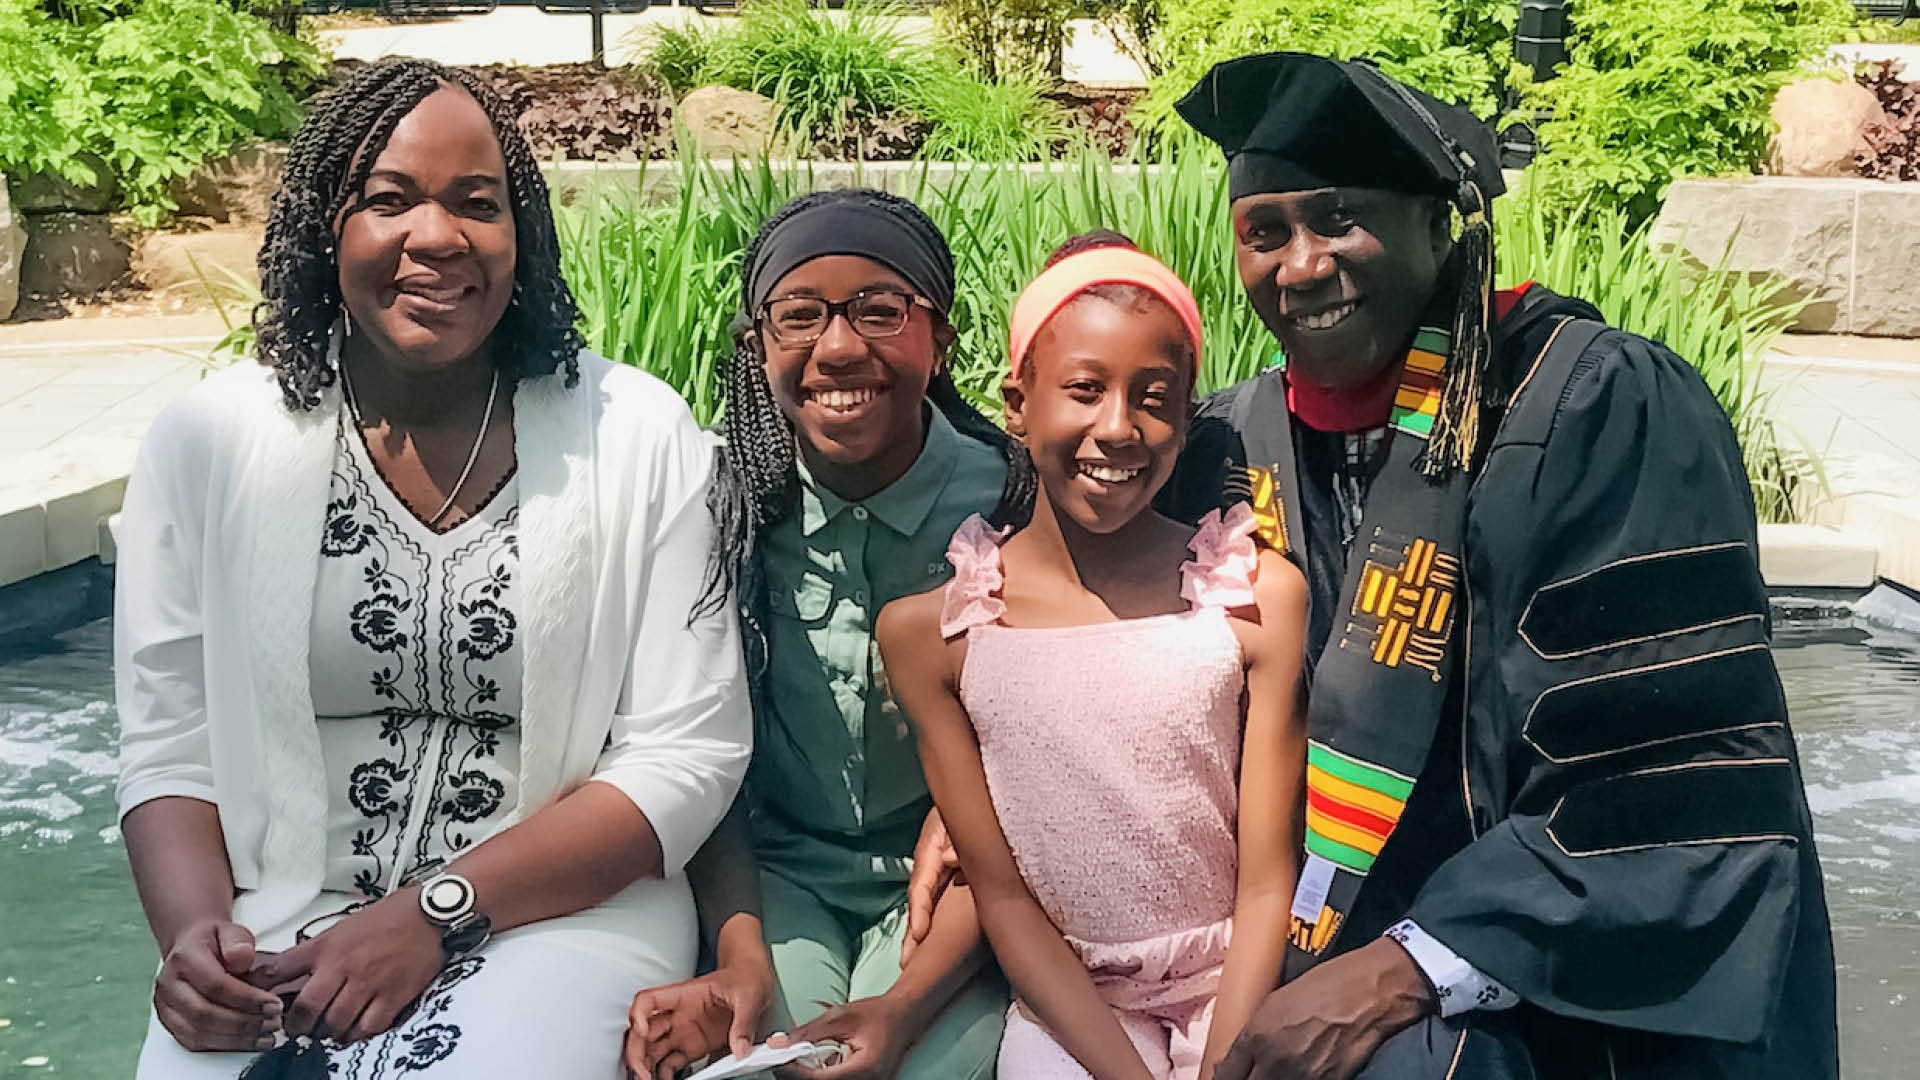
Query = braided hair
x=332 y=155
x=756 y=480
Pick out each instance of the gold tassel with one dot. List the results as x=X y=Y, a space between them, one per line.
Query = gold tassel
x=1464 y=381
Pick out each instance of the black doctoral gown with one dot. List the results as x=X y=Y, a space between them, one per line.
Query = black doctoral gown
x=1611 y=821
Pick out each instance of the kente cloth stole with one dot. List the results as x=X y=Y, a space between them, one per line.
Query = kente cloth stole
x=1381 y=680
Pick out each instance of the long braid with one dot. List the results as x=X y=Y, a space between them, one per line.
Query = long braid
x=327 y=166
x=1022 y=484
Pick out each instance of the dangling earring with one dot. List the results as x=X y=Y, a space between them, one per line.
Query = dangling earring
x=346 y=321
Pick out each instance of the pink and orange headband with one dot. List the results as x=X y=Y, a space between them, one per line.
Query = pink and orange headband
x=1045 y=295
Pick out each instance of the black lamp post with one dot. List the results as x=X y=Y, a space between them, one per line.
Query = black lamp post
x=1539 y=42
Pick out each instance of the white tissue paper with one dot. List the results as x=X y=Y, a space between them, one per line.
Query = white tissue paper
x=764 y=1057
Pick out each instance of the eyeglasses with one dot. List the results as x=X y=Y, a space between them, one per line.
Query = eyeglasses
x=873 y=314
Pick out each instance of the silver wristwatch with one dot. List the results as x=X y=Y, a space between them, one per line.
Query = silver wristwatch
x=447 y=900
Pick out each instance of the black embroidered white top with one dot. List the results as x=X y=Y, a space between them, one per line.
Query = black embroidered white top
x=416 y=677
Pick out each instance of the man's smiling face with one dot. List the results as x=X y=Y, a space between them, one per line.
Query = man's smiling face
x=1340 y=275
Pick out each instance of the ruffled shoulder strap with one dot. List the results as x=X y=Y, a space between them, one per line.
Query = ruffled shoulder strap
x=1221 y=572
x=972 y=597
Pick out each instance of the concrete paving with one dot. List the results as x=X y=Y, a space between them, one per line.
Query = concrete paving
x=76 y=397
x=1855 y=403
x=525 y=35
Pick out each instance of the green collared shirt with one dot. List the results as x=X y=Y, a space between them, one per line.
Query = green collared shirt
x=836 y=783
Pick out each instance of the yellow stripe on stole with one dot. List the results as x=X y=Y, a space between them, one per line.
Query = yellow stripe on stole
x=1430 y=362
x=1353 y=794
x=1417 y=400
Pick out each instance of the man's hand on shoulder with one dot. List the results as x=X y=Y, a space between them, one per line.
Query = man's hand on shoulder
x=1328 y=1023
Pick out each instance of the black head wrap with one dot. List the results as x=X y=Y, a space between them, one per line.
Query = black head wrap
x=1291 y=121
x=876 y=230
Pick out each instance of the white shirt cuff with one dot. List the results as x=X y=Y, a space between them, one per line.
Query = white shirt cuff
x=1459 y=986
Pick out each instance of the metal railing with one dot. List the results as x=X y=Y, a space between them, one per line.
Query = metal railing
x=1897 y=10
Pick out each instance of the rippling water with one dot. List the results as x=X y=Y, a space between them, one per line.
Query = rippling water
x=76 y=963
x=1855 y=697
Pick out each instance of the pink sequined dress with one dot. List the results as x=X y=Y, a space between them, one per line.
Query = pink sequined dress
x=1112 y=752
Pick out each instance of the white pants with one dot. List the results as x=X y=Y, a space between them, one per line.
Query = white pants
x=545 y=1000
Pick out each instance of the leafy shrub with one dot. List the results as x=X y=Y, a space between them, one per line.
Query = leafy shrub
x=977 y=120
x=1653 y=91
x=994 y=38
x=827 y=71
x=151 y=87
x=681 y=56
x=582 y=112
x=1893 y=148
x=854 y=81
x=1452 y=49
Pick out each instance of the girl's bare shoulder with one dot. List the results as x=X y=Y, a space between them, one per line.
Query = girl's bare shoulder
x=1277 y=619
x=911 y=620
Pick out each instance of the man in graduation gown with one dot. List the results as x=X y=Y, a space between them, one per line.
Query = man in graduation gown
x=1555 y=819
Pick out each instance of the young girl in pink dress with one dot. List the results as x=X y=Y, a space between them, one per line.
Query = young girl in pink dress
x=1107 y=701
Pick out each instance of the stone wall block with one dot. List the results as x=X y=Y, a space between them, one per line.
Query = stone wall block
x=1799 y=231
x=72 y=254
x=236 y=189
x=13 y=249
x=1886 y=270
x=223 y=262
x=51 y=193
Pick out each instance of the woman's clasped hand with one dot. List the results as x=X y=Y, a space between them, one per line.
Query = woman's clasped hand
x=204 y=996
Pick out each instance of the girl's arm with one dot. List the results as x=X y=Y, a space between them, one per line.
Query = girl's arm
x=952 y=953
x=879 y=1031
x=1047 y=976
x=1272 y=791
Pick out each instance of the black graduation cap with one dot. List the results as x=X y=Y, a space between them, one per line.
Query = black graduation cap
x=1293 y=121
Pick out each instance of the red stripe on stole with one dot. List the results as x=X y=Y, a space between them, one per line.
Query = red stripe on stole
x=1358 y=817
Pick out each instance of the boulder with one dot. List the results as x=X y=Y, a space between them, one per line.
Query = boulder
x=71 y=254
x=725 y=122
x=51 y=193
x=13 y=246
x=236 y=189
x=218 y=264
x=1821 y=122
x=1797 y=231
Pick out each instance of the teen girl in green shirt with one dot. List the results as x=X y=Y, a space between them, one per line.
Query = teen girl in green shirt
x=850 y=460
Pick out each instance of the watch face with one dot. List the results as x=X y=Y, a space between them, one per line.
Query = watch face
x=446 y=898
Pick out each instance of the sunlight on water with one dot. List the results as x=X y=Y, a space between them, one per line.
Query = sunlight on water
x=76 y=962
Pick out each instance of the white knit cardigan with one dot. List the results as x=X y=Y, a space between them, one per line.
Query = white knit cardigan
x=219 y=542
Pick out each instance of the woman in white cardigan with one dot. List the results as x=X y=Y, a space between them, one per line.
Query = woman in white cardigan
x=419 y=721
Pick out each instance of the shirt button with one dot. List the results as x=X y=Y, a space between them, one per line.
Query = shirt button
x=860 y=597
x=859 y=513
